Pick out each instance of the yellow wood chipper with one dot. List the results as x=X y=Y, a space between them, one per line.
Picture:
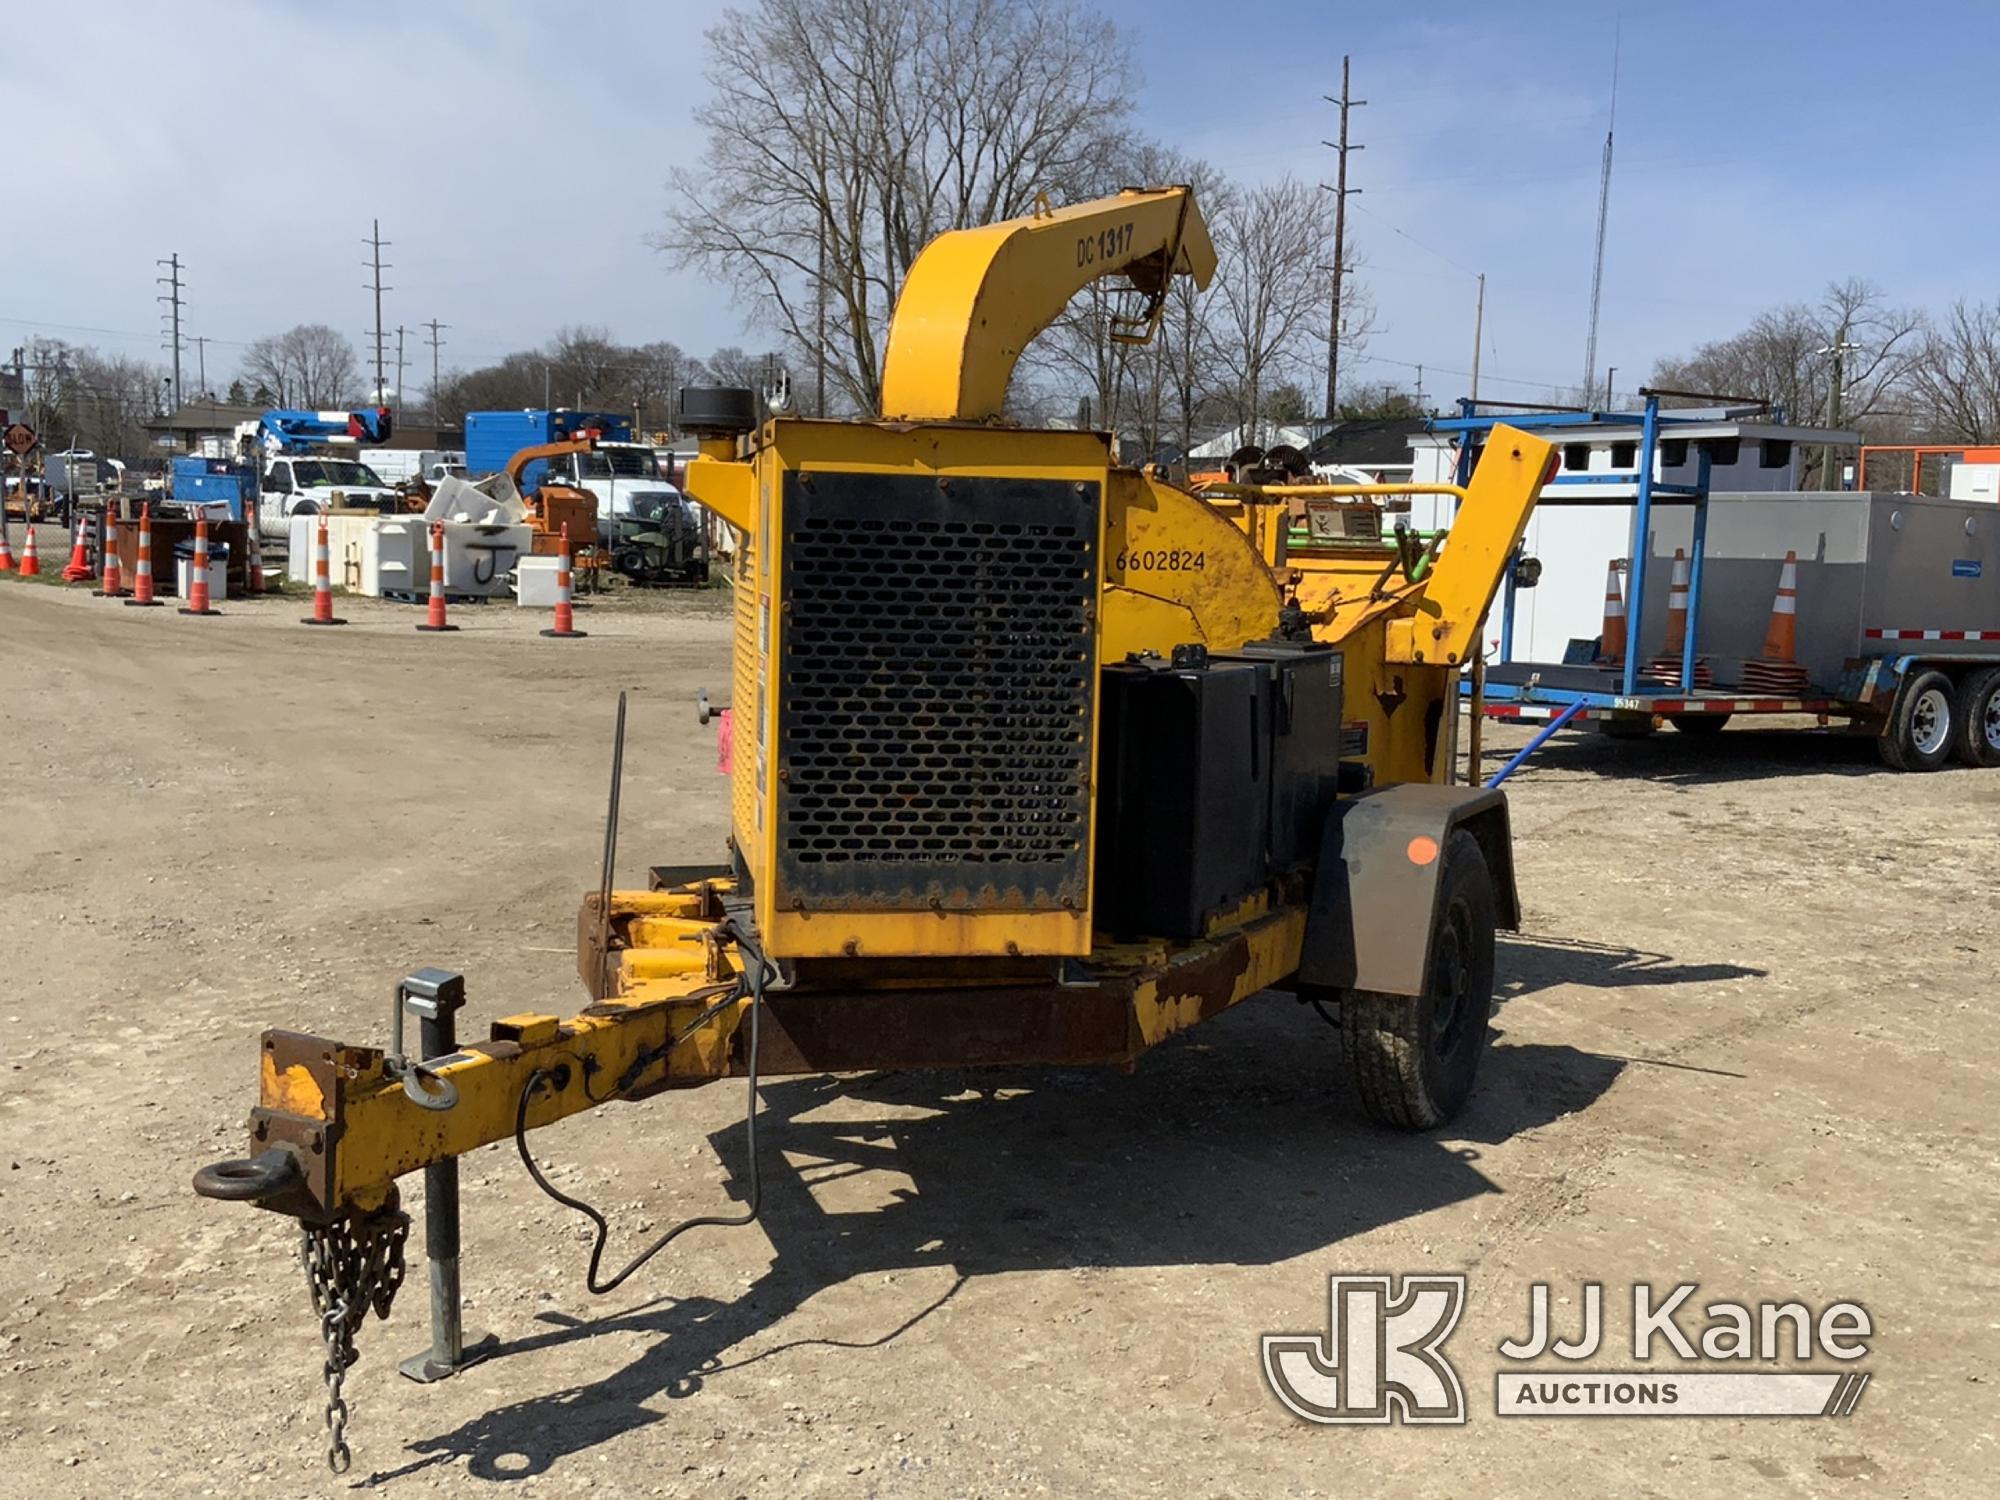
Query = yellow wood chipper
x=1037 y=757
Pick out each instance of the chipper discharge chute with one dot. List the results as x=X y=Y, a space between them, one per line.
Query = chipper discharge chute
x=1034 y=760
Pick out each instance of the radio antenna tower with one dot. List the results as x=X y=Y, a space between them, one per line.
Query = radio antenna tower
x=1603 y=206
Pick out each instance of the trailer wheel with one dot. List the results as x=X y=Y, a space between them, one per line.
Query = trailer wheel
x=1700 y=724
x=1415 y=1056
x=1978 y=709
x=1918 y=736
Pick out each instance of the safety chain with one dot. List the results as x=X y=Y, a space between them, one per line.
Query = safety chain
x=352 y=1264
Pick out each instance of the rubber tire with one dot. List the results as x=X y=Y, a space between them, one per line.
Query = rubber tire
x=1978 y=694
x=1706 y=726
x=1404 y=1077
x=1897 y=745
x=1626 y=729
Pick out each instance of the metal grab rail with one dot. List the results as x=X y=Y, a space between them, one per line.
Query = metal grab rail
x=1234 y=491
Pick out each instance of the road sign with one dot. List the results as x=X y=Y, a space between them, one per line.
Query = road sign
x=20 y=438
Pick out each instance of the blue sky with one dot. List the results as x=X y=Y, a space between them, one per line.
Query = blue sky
x=1761 y=151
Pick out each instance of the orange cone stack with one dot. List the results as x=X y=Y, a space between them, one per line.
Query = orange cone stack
x=198 y=574
x=1777 y=671
x=1611 y=645
x=1667 y=665
x=434 y=619
x=322 y=583
x=31 y=565
x=142 y=568
x=114 y=581
x=6 y=548
x=78 y=568
x=565 y=626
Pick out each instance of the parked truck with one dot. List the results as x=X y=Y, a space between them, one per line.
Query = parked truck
x=70 y=476
x=310 y=464
x=408 y=465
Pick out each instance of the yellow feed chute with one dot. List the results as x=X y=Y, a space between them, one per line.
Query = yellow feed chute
x=975 y=297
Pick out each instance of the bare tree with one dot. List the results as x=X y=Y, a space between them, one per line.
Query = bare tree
x=307 y=366
x=1788 y=356
x=113 y=397
x=1270 y=242
x=1153 y=392
x=843 y=135
x=1954 y=380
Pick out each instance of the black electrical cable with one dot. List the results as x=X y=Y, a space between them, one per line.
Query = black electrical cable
x=751 y=984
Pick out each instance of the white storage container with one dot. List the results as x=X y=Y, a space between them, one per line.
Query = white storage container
x=535 y=582
x=479 y=560
x=218 y=577
x=346 y=537
x=396 y=557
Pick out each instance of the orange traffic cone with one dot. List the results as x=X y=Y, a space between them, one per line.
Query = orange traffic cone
x=77 y=570
x=565 y=626
x=1667 y=665
x=6 y=548
x=322 y=583
x=1776 y=671
x=31 y=565
x=114 y=580
x=198 y=574
x=1611 y=645
x=434 y=618
x=142 y=568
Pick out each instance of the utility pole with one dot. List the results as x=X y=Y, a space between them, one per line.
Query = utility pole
x=172 y=281
x=399 y=373
x=200 y=343
x=375 y=242
x=1610 y=385
x=436 y=343
x=1340 y=190
x=1478 y=333
x=1840 y=348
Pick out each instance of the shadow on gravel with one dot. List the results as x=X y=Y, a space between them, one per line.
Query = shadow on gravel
x=1694 y=760
x=1237 y=1144
x=1527 y=963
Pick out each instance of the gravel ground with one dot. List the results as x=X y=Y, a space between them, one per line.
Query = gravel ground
x=1742 y=1041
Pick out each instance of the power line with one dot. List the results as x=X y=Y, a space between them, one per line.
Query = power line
x=172 y=281
x=1340 y=190
x=1405 y=234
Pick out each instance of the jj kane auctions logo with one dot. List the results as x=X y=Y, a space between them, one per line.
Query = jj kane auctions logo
x=1381 y=1358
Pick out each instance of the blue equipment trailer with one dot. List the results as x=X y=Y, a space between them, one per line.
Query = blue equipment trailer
x=1886 y=570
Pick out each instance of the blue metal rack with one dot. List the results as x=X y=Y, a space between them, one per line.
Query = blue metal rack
x=1473 y=427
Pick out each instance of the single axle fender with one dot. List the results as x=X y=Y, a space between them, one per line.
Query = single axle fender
x=1369 y=924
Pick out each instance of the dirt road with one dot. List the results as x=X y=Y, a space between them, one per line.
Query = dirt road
x=1746 y=1040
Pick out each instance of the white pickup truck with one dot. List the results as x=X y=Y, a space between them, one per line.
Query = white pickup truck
x=305 y=485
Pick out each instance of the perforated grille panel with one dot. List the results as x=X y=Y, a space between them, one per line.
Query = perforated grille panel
x=938 y=667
